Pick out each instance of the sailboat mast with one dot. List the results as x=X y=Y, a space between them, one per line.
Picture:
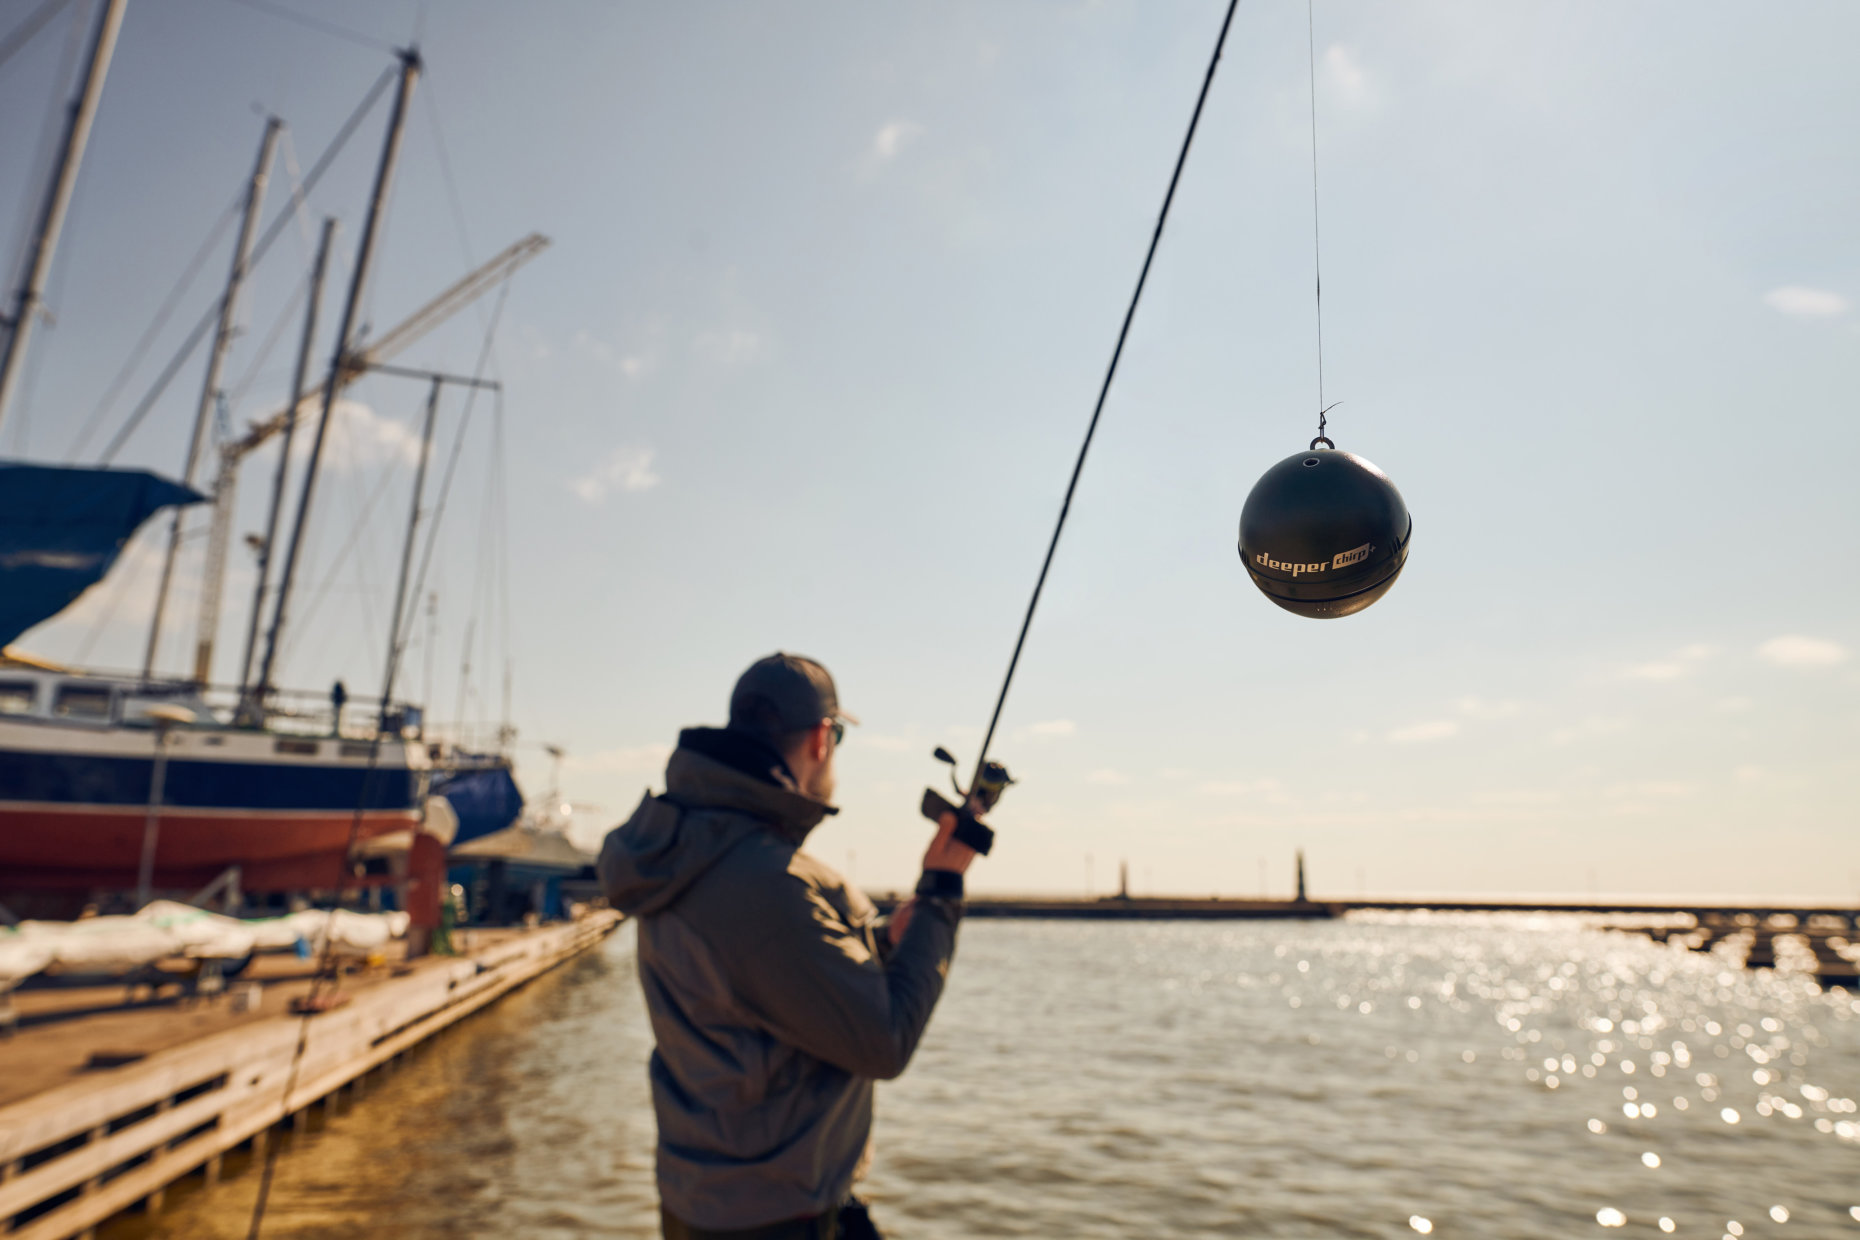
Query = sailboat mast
x=406 y=554
x=384 y=175
x=57 y=200
x=216 y=363
x=248 y=703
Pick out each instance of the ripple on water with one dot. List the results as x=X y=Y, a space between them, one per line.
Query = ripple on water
x=1183 y=1079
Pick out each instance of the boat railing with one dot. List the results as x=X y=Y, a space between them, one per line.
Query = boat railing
x=103 y=696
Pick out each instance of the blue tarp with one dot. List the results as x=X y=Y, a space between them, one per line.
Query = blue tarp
x=485 y=798
x=61 y=527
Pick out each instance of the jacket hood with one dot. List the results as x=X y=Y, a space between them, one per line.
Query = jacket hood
x=720 y=787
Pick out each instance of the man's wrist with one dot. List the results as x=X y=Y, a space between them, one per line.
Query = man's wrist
x=940 y=884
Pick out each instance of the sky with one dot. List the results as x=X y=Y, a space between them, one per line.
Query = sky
x=830 y=293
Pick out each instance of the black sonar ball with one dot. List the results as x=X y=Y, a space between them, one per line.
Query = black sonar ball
x=1324 y=533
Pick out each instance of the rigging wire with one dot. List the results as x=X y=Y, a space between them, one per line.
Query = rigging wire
x=22 y=33
x=318 y=24
x=286 y=315
x=306 y=235
x=495 y=534
x=258 y=252
x=452 y=463
x=453 y=199
x=181 y=286
x=32 y=186
x=1104 y=391
x=328 y=584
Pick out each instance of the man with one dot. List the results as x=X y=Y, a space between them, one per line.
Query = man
x=777 y=996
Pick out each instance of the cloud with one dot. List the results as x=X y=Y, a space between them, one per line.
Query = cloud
x=731 y=347
x=1678 y=666
x=1794 y=650
x=893 y=137
x=1732 y=705
x=628 y=469
x=1650 y=790
x=1344 y=74
x=1479 y=708
x=1802 y=302
x=626 y=758
x=1106 y=775
x=647 y=341
x=878 y=740
x=1268 y=788
x=1051 y=727
x=360 y=438
x=1433 y=730
x=1594 y=725
x=1525 y=798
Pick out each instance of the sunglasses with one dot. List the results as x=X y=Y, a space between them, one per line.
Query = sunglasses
x=839 y=733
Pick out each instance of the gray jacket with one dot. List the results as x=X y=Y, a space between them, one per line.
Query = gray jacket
x=774 y=998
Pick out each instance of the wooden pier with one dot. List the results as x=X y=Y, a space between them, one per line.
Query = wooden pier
x=100 y=1112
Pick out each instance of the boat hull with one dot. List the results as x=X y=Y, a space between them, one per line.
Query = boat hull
x=78 y=847
x=287 y=810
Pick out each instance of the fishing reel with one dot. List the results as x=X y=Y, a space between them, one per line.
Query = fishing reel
x=990 y=782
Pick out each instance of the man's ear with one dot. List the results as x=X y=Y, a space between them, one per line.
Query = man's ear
x=821 y=743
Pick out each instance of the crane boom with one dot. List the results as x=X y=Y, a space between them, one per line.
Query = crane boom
x=225 y=485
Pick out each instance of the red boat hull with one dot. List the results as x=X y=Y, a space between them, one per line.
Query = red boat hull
x=78 y=847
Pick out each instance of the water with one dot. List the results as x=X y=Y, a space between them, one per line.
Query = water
x=1462 y=1077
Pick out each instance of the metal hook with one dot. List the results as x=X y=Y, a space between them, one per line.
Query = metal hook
x=1323 y=439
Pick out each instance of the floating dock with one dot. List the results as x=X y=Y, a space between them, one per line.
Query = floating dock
x=102 y=1107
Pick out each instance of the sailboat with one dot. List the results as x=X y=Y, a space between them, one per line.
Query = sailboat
x=117 y=783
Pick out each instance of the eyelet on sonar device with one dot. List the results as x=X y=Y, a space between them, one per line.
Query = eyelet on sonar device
x=1324 y=533
x=990 y=783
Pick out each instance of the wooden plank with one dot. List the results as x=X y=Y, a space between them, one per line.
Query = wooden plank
x=51 y=1178
x=383 y=1021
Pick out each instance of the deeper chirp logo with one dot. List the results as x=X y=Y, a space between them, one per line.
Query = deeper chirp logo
x=1265 y=560
x=1343 y=559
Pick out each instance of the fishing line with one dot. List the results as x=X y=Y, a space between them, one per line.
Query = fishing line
x=1317 y=246
x=1323 y=533
x=1104 y=391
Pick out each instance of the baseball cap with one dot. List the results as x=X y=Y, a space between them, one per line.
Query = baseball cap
x=799 y=688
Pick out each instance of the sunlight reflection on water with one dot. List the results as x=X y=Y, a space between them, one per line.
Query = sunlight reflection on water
x=1455 y=1076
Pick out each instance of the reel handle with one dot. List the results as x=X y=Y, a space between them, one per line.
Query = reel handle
x=969 y=829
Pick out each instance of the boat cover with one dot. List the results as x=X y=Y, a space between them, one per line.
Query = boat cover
x=485 y=798
x=165 y=928
x=61 y=528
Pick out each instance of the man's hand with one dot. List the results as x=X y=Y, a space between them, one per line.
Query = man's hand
x=945 y=851
x=900 y=921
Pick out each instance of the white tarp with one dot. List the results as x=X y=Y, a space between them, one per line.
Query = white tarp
x=165 y=928
x=20 y=957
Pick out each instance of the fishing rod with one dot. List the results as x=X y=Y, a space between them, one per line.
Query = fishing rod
x=991 y=778
x=1323 y=533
